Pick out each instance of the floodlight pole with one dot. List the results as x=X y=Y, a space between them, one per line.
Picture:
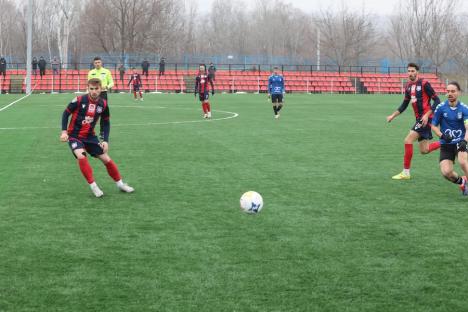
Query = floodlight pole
x=29 y=49
x=318 y=49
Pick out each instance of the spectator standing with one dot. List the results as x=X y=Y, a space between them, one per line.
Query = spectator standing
x=55 y=65
x=121 y=72
x=34 y=66
x=42 y=66
x=144 y=67
x=3 y=66
x=212 y=71
x=162 y=66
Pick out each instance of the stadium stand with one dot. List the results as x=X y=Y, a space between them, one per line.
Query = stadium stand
x=231 y=81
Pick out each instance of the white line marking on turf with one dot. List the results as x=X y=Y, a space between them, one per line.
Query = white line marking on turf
x=233 y=115
x=14 y=102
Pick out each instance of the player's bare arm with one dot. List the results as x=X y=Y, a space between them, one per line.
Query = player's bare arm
x=425 y=118
x=392 y=116
x=64 y=136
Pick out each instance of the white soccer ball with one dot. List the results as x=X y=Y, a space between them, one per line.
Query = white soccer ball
x=251 y=202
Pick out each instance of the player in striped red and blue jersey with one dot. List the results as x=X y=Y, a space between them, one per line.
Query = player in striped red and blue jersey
x=203 y=83
x=450 y=123
x=420 y=93
x=135 y=80
x=85 y=112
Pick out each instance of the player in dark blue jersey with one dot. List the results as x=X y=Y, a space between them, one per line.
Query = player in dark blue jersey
x=450 y=123
x=276 y=91
x=86 y=111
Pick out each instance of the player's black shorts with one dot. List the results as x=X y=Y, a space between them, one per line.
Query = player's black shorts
x=425 y=133
x=103 y=95
x=91 y=145
x=204 y=96
x=276 y=98
x=136 y=88
x=448 y=151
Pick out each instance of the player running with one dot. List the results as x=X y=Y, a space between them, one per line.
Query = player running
x=202 y=87
x=135 y=80
x=86 y=111
x=276 y=91
x=419 y=92
x=452 y=116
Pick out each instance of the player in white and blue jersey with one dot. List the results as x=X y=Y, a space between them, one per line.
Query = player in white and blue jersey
x=276 y=91
x=450 y=123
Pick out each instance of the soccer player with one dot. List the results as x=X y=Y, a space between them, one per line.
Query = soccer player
x=419 y=92
x=135 y=80
x=450 y=123
x=86 y=110
x=202 y=87
x=276 y=91
x=102 y=74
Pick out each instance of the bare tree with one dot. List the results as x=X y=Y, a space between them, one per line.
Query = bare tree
x=346 y=36
x=10 y=20
x=424 y=30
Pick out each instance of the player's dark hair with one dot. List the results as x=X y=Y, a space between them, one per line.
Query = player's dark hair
x=97 y=58
x=94 y=82
x=456 y=84
x=413 y=65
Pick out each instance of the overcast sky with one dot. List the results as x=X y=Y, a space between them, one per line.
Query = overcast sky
x=383 y=7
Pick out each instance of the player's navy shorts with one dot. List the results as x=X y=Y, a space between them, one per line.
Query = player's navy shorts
x=448 y=151
x=91 y=145
x=136 y=88
x=204 y=96
x=425 y=133
x=276 y=98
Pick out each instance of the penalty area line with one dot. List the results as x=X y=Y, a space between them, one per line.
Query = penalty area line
x=14 y=102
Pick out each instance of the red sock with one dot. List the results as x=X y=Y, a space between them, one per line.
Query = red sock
x=86 y=169
x=134 y=94
x=113 y=171
x=208 y=107
x=141 y=95
x=434 y=146
x=204 y=107
x=408 y=156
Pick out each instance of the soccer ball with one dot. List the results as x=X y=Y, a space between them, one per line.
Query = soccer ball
x=251 y=202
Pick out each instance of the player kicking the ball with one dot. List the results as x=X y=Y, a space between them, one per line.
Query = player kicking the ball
x=452 y=116
x=203 y=83
x=86 y=111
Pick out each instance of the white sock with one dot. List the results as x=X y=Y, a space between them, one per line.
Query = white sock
x=406 y=172
x=91 y=185
x=119 y=183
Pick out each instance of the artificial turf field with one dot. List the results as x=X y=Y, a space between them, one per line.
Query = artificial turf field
x=335 y=234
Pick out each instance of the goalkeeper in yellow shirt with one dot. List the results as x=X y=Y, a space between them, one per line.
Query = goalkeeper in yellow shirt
x=102 y=74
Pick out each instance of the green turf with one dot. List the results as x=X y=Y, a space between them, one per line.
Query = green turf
x=336 y=233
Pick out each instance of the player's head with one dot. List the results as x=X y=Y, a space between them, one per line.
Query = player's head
x=94 y=87
x=97 y=62
x=133 y=70
x=413 y=70
x=275 y=70
x=453 y=91
x=202 y=68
